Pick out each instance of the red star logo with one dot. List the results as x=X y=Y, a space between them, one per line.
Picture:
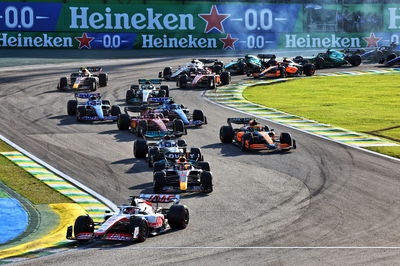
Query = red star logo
x=229 y=42
x=84 y=40
x=372 y=40
x=214 y=20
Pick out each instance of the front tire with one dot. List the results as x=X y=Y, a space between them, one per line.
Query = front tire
x=226 y=134
x=178 y=217
x=140 y=148
x=123 y=122
x=83 y=224
x=71 y=107
x=143 y=228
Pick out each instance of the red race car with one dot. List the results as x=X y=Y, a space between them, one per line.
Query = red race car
x=253 y=136
x=150 y=123
x=204 y=78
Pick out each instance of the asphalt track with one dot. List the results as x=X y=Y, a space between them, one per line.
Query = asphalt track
x=323 y=203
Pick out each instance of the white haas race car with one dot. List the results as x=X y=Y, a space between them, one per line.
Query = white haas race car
x=193 y=66
x=135 y=221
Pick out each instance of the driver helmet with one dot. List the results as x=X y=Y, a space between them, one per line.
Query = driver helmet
x=167 y=137
x=182 y=159
x=253 y=123
x=92 y=98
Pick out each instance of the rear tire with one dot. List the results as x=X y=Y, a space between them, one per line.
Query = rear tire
x=130 y=94
x=142 y=128
x=71 y=107
x=140 y=148
x=182 y=80
x=178 y=217
x=211 y=83
x=167 y=72
x=178 y=126
x=115 y=111
x=246 y=137
x=226 y=134
x=355 y=60
x=124 y=121
x=166 y=89
x=309 y=69
x=198 y=115
x=225 y=78
x=319 y=63
x=197 y=153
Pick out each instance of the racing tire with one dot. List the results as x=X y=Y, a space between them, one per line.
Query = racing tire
x=81 y=111
x=309 y=69
x=390 y=57
x=286 y=138
x=319 y=63
x=355 y=60
x=206 y=181
x=166 y=89
x=130 y=94
x=123 y=122
x=161 y=93
x=378 y=56
x=205 y=166
x=225 y=78
x=92 y=85
x=246 y=137
x=153 y=156
x=63 y=84
x=226 y=134
x=181 y=143
x=142 y=128
x=178 y=216
x=199 y=156
x=159 y=181
x=178 y=126
x=198 y=115
x=241 y=69
x=158 y=166
x=115 y=111
x=211 y=83
x=143 y=228
x=103 y=78
x=71 y=107
x=167 y=72
x=282 y=72
x=182 y=81
x=298 y=59
x=140 y=148
x=83 y=224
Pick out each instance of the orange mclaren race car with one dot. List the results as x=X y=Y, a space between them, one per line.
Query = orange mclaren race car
x=253 y=136
x=286 y=68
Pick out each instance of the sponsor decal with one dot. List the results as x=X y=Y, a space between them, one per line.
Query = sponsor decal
x=84 y=41
x=372 y=41
x=324 y=41
x=229 y=42
x=12 y=40
x=214 y=20
x=151 y=41
x=120 y=237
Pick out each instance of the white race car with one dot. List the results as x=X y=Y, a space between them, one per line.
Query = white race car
x=193 y=66
x=132 y=222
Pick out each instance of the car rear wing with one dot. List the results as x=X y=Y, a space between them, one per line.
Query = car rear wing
x=87 y=95
x=239 y=121
x=94 y=68
x=158 y=99
x=135 y=109
x=208 y=61
x=152 y=81
x=266 y=56
x=161 y=198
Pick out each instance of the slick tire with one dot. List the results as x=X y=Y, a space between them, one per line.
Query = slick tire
x=178 y=216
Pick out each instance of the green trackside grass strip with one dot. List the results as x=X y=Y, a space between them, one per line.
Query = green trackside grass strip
x=232 y=97
x=93 y=207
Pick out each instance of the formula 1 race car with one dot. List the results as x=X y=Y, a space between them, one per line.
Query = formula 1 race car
x=253 y=136
x=203 y=79
x=150 y=124
x=133 y=222
x=89 y=78
x=182 y=176
x=94 y=109
x=178 y=111
x=248 y=64
x=286 y=68
x=139 y=94
x=381 y=54
x=331 y=58
x=166 y=148
x=195 y=65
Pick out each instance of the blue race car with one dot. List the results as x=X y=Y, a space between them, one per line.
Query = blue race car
x=94 y=109
x=177 y=111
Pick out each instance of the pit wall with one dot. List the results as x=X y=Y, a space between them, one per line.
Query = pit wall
x=196 y=25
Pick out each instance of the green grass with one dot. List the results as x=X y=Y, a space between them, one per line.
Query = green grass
x=25 y=184
x=359 y=103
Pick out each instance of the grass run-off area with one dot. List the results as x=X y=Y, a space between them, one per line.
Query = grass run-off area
x=360 y=103
x=25 y=184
